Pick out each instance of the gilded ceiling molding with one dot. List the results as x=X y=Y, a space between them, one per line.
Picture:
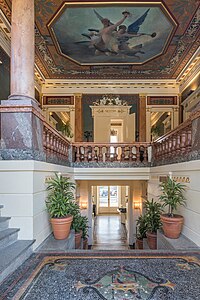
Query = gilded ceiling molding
x=5 y=8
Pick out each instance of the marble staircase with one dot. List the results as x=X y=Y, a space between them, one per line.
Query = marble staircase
x=13 y=252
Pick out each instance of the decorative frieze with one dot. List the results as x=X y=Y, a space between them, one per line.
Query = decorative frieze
x=58 y=100
x=162 y=100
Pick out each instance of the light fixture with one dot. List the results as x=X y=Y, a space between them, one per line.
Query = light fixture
x=83 y=204
x=137 y=205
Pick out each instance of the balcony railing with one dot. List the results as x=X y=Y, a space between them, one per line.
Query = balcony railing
x=110 y=152
x=175 y=146
x=176 y=143
x=54 y=144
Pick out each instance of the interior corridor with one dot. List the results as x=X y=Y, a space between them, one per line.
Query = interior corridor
x=109 y=233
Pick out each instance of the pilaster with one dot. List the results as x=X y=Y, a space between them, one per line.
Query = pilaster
x=78 y=118
x=142 y=118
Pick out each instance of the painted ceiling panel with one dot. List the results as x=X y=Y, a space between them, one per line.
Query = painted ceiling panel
x=73 y=41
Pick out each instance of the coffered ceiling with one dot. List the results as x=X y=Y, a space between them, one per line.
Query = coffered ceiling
x=157 y=42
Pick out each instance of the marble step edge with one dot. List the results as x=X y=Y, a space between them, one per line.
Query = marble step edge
x=8 y=236
x=13 y=256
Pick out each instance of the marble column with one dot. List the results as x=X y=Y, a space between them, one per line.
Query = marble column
x=142 y=118
x=21 y=118
x=22 y=49
x=78 y=118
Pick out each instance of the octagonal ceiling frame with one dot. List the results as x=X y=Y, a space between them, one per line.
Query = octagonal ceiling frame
x=66 y=4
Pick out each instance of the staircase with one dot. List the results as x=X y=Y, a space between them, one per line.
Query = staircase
x=13 y=252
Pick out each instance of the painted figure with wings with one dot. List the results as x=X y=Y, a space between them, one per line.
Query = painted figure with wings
x=112 y=41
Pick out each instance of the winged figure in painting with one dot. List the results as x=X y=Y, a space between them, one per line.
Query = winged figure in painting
x=113 y=38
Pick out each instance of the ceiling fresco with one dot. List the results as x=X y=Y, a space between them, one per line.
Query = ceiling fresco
x=114 y=34
x=114 y=40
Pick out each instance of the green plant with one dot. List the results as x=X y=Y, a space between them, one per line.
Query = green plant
x=141 y=228
x=60 y=200
x=172 y=195
x=153 y=210
x=66 y=129
x=84 y=226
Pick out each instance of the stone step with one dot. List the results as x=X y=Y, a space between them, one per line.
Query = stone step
x=4 y=223
x=182 y=243
x=8 y=236
x=13 y=256
x=53 y=245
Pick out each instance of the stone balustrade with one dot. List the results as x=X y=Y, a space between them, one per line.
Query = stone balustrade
x=110 y=152
x=54 y=144
x=175 y=144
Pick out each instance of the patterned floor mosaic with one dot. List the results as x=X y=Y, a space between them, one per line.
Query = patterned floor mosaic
x=109 y=277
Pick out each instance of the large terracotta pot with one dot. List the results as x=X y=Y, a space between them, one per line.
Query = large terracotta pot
x=152 y=240
x=78 y=236
x=61 y=227
x=139 y=244
x=172 y=226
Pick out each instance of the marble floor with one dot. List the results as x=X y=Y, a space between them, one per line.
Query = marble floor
x=109 y=233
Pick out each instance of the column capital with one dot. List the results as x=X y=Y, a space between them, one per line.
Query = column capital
x=78 y=95
x=142 y=95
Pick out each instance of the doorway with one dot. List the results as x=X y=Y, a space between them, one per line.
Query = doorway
x=108 y=199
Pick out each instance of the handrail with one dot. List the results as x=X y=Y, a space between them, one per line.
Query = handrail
x=54 y=143
x=110 y=152
x=176 y=143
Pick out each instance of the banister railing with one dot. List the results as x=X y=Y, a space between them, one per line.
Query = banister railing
x=175 y=146
x=54 y=143
x=110 y=152
x=177 y=142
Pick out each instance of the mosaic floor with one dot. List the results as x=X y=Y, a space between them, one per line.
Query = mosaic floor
x=111 y=277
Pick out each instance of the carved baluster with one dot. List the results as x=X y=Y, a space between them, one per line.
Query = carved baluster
x=165 y=148
x=77 y=154
x=115 y=153
x=137 y=158
x=174 y=144
x=170 y=147
x=45 y=139
x=60 y=147
x=93 y=153
x=178 y=144
x=100 y=148
x=145 y=155
x=48 y=142
x=130 y=153
x=188 y=140
x=108 y=153
x=183 y=142
x=85 y=157
x=123 y=153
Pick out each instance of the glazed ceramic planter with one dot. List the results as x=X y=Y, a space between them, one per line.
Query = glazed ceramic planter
x=61 y=227
x=172 y=226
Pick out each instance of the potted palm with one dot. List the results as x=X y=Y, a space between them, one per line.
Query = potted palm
x=76 y=225
x=172 y=196
x=153 y=222
x=60 y=205
x=141 y=228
